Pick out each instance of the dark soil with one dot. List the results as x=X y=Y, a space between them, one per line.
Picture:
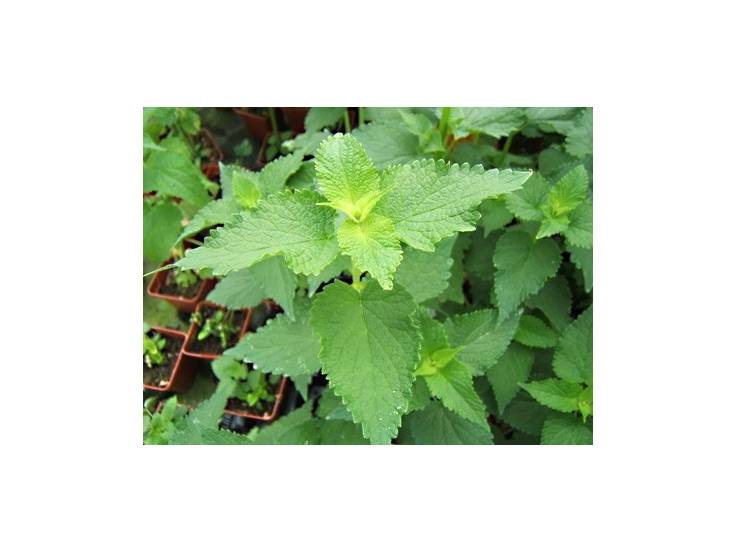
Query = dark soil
x=159 y=375
x=211 y=344
x=170 y=288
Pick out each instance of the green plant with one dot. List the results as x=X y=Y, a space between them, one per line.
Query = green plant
x=159 y=425
x=185 y=279
x=153 y=349
x=219 y=324
x=445 y=302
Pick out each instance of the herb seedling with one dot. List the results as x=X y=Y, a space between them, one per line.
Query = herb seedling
x=255 y=389
x=159 y=425
x=219 y=324
x=153 y=350
x=184 y=279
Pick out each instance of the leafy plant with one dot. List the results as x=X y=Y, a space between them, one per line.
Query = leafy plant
x=219 y=324
x=184 y=278
x=153 y=349
x=159 y=425
x=435 y=265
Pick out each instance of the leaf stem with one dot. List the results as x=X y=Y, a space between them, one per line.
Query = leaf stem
x=505 y=150
x=360 y=117
x=346 y=121
x=274 y=128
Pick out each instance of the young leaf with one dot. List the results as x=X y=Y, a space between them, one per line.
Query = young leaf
x=346 y=176
x=431 y=200
x=523 y=265
x=369 y=349
x=246 y=190
x=425 y=275
x=526 y=203
x=286 y=223
x=481 y=341
x=535 y=333
x=267 y=279
x=556 y=394
x=435 y=425
x=513 y=367
x=565 y=430
x=373 y=245
x=452 y=384
x=574 y=358
x=282 y=346
x=580 y=231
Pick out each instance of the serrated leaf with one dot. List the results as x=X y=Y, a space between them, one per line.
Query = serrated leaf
x=568 y=192
x=580 y=231
x=161 y=226
x=494 y=215
x=435 y=425
x=513 y=367
x=226 y=367
x=206 y=416
x=554 y=393
x=482 y=342
x=373 y=245
x=535 y=333
x=496 y=122
x=346 y=176
x=369 y=349
x=217 y=212
x=246 y=190
x=554 y=300
x=454 y=291
x=318 y=118
x=526 y=414
x=331 y=407
x=565 y=430
x=425 y=275
x=267 y=279
x=296 y=428
x=452 y=384
x=420 y=395
x=526 y=203
x=172 y=173
x=522 y=267
x=273 y=177
x=580 y=139
x=574 y=357
x=388 y=143
x=282 y=346
x=340 y=432
x=583 y=258
x=339 y=265
x=286 y=223
x=431 y=200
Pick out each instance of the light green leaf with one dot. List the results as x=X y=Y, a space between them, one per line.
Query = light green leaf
x=275 y=174
x=172 y=173
x=425 y=275
x=535 y=333
x=482 y=342
x=452 y=384
x=388 y=143
x=369 y=348
x=435 y=425
x=523 y=264
x=580 y=139
x=563 y=198
x=346 y=176
x=574 y=358
x=226 y=367
x=246 y=189
x=373 y=245
x=496 y=122
x=526 y=203
x=513 y=367
x=286 y=223
x=282 y=346
x=580 y=231
x=161 y=225
x=267 y=279
x=554 y=300
x=217 y=212
x=556 y=394
x=319 y=118
x=431 y=200
x=565 y=430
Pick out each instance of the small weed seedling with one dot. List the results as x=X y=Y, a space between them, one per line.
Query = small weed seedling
x=159 y=425
x=153 y=350
x=255 y=390
x=219 y=324
x=184 y=279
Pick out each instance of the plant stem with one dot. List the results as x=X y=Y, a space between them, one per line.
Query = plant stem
x=360 y=117
x=443 y=127
x=505 y=150
x=275 y=129
x=346 y=121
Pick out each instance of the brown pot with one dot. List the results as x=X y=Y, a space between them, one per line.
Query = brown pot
x=182 y=374
x=182 y=303
x=194 y=328
x=266 y=417
x=295 y=118
x=258 y=125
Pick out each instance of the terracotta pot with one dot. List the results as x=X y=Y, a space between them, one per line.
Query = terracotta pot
x=182 y=373
x=211 y=168
x=258 y=125
x=182 y=303
x=194 y=328
x=295 y=118
x=266 y=417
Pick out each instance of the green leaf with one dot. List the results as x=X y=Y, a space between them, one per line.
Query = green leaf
x=580 y=139
x=346 y=176
x=574 y=358
x=246 y=189
x=282 y=346
x=565 y=430
x=369 y=349
x=513 y=367
x=431 y=200
x=226 y=367
x=496 y=122
x=172 y=173
x=526 y=204
x=273 y=177
x=338 y=266
x=286 y=223
x=435 y=425
x=556 y=394
x=523 y=264
x=161 y=225
x=452 y=384
x=535 y=333
x=267 y=279
x=494 y=215
x=373 y=245
x=296 y=428
x=425 y=275
x=482 y=341
x=332 y=408
x=388 y=143
x=580 y=231
x=583 y=258
x=420 y=395
x=526 y=414
x=206 y=416
x=563 y=198
x=340 y=432
x=319 y=118
x=217 y=212
x=554 y=300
